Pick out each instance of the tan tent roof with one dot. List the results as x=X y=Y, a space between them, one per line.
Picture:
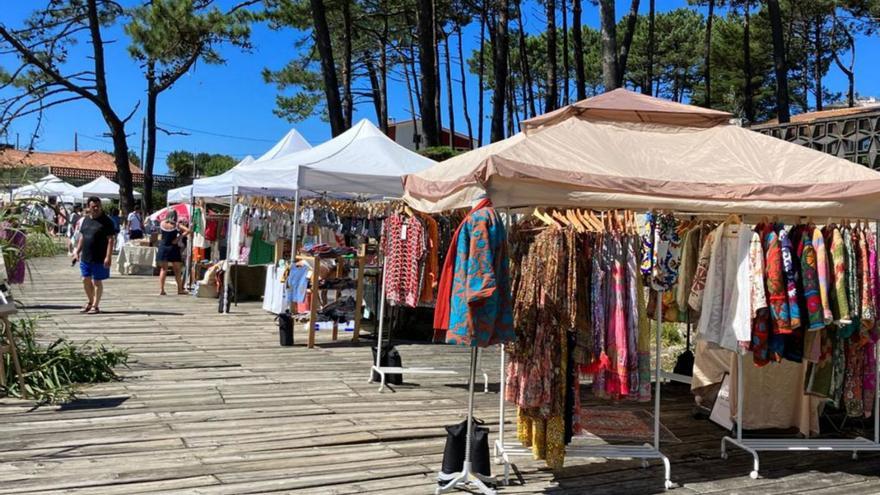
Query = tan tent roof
x=622 y=105
x=608 y=164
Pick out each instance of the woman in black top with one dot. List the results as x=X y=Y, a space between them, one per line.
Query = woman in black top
x=169 y=251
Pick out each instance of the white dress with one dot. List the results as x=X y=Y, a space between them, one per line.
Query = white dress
x=725 y=315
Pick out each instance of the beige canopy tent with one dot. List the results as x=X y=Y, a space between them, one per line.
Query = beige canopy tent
x=627 y=150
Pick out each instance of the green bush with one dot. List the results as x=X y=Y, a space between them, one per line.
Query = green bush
x=41 y=245
x=52 y=373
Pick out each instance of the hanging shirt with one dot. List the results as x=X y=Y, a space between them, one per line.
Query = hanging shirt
x=481 y=309
x=297 y=282
x=405 y=247
x=725 y=315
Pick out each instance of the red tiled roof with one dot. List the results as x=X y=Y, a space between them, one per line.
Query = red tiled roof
x=84 y=160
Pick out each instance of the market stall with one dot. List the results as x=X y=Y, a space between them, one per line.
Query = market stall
x=360 y=164
x=623 y=150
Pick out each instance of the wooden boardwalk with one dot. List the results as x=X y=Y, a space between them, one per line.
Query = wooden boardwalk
x=212 y=405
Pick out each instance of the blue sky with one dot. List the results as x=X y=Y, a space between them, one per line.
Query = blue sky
x=233 y=100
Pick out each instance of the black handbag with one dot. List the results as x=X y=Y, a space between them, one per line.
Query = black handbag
x=391 y=358
x=453 y=454
x=285 y=328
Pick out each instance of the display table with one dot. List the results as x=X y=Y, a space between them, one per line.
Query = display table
x=136 y=260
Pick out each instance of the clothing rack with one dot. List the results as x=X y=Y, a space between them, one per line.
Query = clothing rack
x=755 y=445
x=504 y=451
x=316 y=290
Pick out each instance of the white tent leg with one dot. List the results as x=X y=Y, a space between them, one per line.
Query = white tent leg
x=226 y=274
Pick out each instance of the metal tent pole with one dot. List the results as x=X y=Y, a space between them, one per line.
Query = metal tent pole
x=659 y=315
x=226 y=274
x=377 y=367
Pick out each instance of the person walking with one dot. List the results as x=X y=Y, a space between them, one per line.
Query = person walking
x=172 y=235
x=135 y=224
x=94 y=251
x=73 y=228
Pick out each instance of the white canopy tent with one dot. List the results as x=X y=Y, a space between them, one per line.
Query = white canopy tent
x=101 y=187
x=221 y=186
x=46 y=187
x=361 y=160
x=185 y=194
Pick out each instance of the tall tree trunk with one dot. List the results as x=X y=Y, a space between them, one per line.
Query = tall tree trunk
x=415 y=78
x=552 y=96
x=779 y=64
x=610 y=75
x=817 y=65
x=481 y=71
x=566 y=68
x=450 y=105
x=577 y=41
x=116 y=125
x=500 y=56
x=375 y=92
x=648 y=87
x=150 y=161
x=707 y=61
x=383 y=78
x=748 y=91
x=631 y=20
x=347 y=100
x=849 y=71
x=529 y=95
x=435 y=30
x=511 y=102
x=417 y=141
x=328 y=67
x=427 y=65
x=464 y=101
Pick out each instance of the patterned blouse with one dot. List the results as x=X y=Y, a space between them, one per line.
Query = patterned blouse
x=404 y=245
x=481 y=309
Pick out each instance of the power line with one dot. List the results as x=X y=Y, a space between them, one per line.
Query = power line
x=217 y=134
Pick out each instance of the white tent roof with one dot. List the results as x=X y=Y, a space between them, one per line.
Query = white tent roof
x=361 y=160
x=101 y=187
x=221 y=185
x=290 y=143
x=208 y=184
x=626 y=150
x=47 y=186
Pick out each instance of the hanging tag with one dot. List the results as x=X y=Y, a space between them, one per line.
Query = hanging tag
x=403 y=233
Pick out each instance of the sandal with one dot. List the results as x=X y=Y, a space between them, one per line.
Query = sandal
x=86 y=307
x=162 y=293
x=94 y=311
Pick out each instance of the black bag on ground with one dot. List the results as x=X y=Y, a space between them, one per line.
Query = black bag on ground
x=390 y=357
x=285 y=328
x=453 y=454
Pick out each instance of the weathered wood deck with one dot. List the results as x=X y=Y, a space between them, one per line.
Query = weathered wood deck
x=213 y=405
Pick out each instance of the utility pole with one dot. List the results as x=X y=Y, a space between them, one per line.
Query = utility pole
x=75 y=142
